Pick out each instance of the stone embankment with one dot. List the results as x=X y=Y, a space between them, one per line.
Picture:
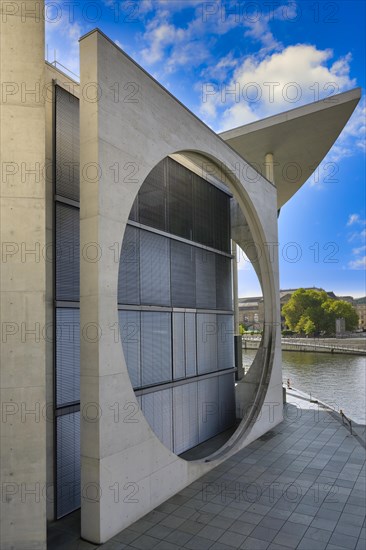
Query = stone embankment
x=351 y=346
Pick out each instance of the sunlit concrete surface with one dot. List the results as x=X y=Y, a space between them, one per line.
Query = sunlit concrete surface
x=124 y=452
x=297 y=140
x=300 y=486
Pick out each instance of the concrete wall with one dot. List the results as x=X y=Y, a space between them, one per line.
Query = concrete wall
x=52 y=77
x=23 y=277
x=128 y=124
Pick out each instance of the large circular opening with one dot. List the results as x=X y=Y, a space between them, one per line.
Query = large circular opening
x=176 y=308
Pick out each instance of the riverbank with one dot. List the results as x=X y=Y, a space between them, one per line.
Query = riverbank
x=337 y=379
x=357 y=430
x=349 y=346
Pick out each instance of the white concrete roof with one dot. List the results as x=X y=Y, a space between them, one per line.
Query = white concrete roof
x=299 y=139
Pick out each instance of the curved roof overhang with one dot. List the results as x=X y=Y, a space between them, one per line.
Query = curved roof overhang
x=299 y=140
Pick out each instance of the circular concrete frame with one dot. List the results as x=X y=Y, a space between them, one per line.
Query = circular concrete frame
x=263 y=361
x=140 y=134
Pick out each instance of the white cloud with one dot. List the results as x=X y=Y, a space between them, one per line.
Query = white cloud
x=62 y=37
x=237 y=112
x=220 y=70
x=283 y=80
x=180 y=46
x=360 y=263
x=359 y=250
x=146 y=6
x=160 y=35
x=357 y=235
x=353 y=218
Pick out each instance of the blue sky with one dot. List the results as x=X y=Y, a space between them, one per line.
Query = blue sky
x=193 y=47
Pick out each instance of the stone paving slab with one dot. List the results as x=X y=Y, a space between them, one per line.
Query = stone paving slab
x=303 y=488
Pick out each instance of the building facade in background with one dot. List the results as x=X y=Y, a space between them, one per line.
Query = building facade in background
x=251 y=310
x=360 y=305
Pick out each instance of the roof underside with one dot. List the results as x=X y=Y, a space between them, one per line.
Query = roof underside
x=298 y=139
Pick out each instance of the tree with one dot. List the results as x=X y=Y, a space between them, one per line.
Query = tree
x=311 y=311
x=338 y=309
x=305 y=325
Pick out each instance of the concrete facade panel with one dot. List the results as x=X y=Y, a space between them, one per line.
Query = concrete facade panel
x=140 y=134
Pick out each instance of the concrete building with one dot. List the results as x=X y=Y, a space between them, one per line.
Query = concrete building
x=251 y=312
x=118 y=312
x=251 y=309
x=360 y=305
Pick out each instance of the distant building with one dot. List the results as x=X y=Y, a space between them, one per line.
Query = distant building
x=251 y=309
x=251 y=313
x=360 y=305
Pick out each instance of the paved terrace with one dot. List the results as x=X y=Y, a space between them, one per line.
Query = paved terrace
x=300 y=486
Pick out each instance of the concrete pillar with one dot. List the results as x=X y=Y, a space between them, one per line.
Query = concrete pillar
x=269 y=166
x=23 y=277
x=237 y=337
x=235 y=288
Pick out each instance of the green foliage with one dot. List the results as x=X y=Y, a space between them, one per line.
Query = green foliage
x=311 y=311
x=336 y=309
x=242 y=329
x=287 y=332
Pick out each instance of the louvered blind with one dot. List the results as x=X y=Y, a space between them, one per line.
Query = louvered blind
x=130 y=331
x=157 y=408
x=183 y=269
x=190 y=344
x=67 y=145
x=227 y=412
x=179 y=370
x=67 y=356
x=129 y=268
x=225 y=342
x=208 y=408
x=68 y=463
x=205 y=279
x=155 y=269
x=180 y=205
x=156 y=353
x=224 y=298
x=221 y=220
x=206 y=343
x=67 y=253
x=153 y=198
x=185 y=413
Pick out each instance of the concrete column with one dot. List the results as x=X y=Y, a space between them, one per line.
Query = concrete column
x=235 y=288
x=269 y=166
x=23 y=277
x=237 y=337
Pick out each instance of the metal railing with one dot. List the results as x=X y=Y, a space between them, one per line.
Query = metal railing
x=57 y=63
x=345 y=420
x=318 y=345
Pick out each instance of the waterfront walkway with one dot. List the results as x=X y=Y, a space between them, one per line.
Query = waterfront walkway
x=300 y=486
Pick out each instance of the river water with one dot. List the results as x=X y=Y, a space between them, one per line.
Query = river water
x=338 y=380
